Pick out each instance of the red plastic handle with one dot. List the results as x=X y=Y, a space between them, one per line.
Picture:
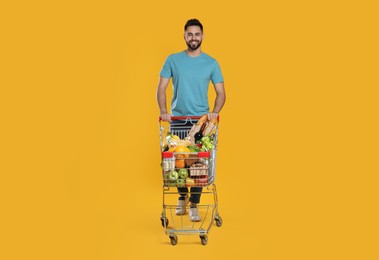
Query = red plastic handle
x=182 y=117
x=203 y=154
x=186 y=117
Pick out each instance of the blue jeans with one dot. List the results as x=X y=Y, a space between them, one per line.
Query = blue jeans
x=177 y=127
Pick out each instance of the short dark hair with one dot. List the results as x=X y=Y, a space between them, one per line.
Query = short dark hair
x=193 y=22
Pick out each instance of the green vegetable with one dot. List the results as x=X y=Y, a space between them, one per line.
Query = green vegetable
x=207 y=143
x=194 y=149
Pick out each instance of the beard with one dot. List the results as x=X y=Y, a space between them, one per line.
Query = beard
x=194 y=45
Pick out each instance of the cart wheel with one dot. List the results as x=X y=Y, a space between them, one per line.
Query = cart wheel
x=218 y=221
x=174 y=240
x=204 y=239
x=164 y=221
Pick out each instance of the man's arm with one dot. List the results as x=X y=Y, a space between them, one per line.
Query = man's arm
x=219 y=101
x=161 y=98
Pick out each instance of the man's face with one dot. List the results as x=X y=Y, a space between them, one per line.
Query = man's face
x=193 y=37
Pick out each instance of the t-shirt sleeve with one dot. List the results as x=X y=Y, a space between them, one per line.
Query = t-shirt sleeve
x=216 y=76
x=166 y=71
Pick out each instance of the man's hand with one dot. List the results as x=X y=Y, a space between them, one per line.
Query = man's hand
x=212 y=116
x=166 y=117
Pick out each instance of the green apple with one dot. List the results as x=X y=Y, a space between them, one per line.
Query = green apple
x=173 y=175
x=180 y=182
x=183 y=174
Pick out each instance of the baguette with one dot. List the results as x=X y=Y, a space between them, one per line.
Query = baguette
x=196 y=128
x=203 y=119
x=210 y=126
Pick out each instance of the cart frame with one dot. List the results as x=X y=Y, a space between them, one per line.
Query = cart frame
x=176 y=225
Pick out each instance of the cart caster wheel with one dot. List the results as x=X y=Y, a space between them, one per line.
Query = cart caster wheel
x=164 y=221
x=218 y=221
x=174 y=240
x=204 y=240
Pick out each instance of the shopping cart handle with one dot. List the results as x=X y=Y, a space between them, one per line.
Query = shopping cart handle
x=186 y=117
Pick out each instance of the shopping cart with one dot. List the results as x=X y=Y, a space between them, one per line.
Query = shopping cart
x=189 y=168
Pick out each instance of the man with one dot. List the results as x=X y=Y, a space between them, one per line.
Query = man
x=191 y=71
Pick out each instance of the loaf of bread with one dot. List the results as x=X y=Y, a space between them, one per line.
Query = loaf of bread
x=210 y=126
x=196 y=128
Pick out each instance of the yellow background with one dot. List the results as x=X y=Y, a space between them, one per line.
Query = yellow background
x=298 y=150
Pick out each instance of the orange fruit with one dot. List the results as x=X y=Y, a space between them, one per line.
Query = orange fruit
x=182 y=149
x=180 y=163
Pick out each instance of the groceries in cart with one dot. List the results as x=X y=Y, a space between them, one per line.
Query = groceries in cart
x=186 y=154
x=199 y=138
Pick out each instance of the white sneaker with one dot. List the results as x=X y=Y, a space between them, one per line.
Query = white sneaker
x=181 y=207
x=194 y=214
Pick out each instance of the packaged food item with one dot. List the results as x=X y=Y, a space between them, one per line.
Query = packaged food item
x=198 y=169
x=168 y=161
